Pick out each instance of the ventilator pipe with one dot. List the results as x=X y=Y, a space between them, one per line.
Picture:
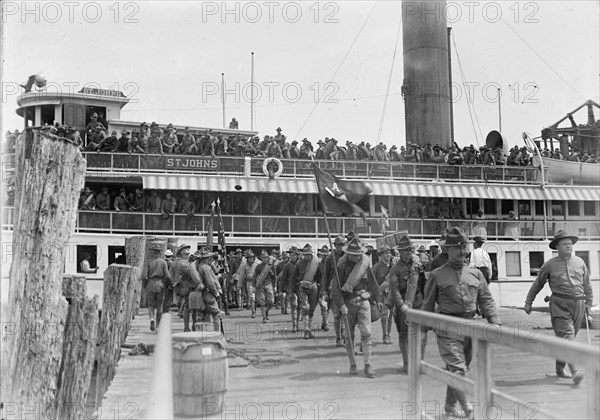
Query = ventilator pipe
x=495 y=139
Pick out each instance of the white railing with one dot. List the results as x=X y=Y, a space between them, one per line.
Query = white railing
x=483 y=335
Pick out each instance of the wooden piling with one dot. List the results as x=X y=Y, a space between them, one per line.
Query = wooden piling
x=49 y=177
x=114 y=323
x=78 y=350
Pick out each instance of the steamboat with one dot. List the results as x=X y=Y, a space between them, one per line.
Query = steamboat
x=273 y=203
x=259 y=211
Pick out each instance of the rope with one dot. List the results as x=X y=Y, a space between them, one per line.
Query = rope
x=541 y=58
x=387 y=91
x=471 y=113
x=337 y=70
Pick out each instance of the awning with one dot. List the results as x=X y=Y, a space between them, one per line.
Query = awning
x=229 y=184
x=392 y=188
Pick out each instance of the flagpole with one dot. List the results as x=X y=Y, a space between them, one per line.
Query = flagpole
x=337 y=276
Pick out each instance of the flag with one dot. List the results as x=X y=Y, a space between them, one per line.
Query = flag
x=385 y=221
x=209 y=232
x=222 y=248
x=342 y=196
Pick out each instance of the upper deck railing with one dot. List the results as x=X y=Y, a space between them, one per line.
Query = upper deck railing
x=272 y=226
x=298 y=168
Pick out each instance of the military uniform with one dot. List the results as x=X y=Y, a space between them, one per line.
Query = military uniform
x=329 y=280
x=245 y=274
x=356 y=302
x=569 y=280
x=184 y=275
x=307 y=287
x=459 y=291
x=381 y=271
x=265 y=296
x=212 y=290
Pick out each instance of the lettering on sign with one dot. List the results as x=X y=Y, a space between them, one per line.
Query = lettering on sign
x=191 y=163
x=102 y=92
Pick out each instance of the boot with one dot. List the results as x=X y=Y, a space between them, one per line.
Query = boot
x=264 y=317
x=369 y=371
x=339 y=342
x=294 y=327
x=186 y=320
x=353 y=370
x=267 y=313
x=404 y=350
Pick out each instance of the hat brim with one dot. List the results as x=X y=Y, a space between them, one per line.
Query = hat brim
x=182 y=247
x=555 y=242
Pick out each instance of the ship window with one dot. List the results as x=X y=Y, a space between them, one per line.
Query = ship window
x=489 y=206
x=116 y=255
x=524 y=208
x=513 y=263
x=558 y=208
x=536 y=259
x=585 y=256
x=508 y=205
x=539 y=208
x=47 y=115
x=473 y=206
x=382 y=201
x=573 y=207
x=90 y=251
x=589 y=208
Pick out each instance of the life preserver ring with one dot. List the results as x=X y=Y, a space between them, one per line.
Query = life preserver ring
x=277 y=162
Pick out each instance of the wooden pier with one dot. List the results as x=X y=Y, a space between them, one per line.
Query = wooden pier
x=276 y=374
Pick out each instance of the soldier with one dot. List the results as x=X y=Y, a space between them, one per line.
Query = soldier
x=134 y=145
x=121 y=202
x=294 y=151
x=169 y=139
x=306 y=282
x=138 y=202
x=458 y=290
x=234 y=265
x=479 y=227
x=188 y=144
x=322 y=254
x=103 y=199
x=87 y=200
x=155 y=277
x=244 y=275
x=109 y=144
x=406 y=288
x=283 y=280
x=572 y=297
x=168 y=300
x=186 y=279
x=394 y=154
x=263 y=280
x=212 y=290
x=206 y=144
x=381 y=271
x=329 y=278
x=123 y=142
x=352 y=295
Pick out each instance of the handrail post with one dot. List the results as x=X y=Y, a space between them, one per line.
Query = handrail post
x=414 y=372
x=160 y=398
x=483 y=381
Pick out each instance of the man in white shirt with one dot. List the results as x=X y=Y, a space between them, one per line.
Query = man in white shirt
x=481 y=259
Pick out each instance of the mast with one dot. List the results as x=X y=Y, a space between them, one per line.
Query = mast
x=252 y=92
x=223 y=96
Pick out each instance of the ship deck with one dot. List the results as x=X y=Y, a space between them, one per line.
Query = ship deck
x=281 y=375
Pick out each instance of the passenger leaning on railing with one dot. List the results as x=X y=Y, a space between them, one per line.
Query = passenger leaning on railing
x=458 y=291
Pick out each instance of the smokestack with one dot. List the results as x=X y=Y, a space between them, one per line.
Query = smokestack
x=426 y=87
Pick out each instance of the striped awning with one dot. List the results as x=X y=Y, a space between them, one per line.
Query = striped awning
x=390 y=188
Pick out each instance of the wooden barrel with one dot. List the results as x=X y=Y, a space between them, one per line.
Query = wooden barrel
x=200 y=373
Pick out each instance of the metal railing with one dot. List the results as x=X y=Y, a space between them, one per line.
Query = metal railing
x=313 y=225
x=483 y=335
x=298 y=168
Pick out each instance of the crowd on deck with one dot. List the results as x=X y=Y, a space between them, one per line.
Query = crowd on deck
x=154 y=139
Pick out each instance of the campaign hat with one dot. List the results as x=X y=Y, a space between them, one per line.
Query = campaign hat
x=478 y=239
x=324 y=250
x=249 y=254
x=351 y=235
x=355 y=247
x=383 y=249
x=339 y=240
x=293 y=250
x=263 y=254
x=204 y=252
x=181 y=248
x=455 y=237
x=307 y=249
x=238 y=251
x=404 y=243
x=168 y=253
x=561 y=234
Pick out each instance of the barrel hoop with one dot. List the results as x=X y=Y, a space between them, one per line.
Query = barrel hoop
x=181 y=394
x=199 y=361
